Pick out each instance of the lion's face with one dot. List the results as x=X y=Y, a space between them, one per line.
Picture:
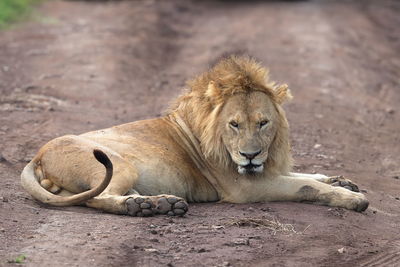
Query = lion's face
x=248 y=127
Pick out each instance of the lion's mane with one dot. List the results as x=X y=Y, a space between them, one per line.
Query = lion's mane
x=200 y=108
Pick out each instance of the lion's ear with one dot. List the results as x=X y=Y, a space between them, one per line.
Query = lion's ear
x=212 y=90
x=282 y=93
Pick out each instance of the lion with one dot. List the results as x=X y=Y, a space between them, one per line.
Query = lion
x=224 y=139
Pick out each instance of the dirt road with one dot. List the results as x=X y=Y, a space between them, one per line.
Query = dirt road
x=82 y=66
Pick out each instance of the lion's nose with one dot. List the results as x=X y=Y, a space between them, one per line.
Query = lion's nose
x=250 y=156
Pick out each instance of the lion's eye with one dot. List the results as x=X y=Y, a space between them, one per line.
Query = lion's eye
x=263 y=123
x=234 y=124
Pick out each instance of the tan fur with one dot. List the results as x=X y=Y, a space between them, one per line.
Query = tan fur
x=226 y=138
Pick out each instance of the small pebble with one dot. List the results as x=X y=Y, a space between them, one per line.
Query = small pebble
x=154 y=232
x=152 y=250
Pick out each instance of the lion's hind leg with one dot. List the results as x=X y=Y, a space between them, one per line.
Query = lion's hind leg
x=140 y=206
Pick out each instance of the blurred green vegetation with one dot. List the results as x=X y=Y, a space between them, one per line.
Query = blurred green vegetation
x=13 y=10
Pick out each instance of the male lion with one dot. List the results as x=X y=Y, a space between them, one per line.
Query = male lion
x=225 y=139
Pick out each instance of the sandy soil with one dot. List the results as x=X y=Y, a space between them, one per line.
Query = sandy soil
x=82 y=66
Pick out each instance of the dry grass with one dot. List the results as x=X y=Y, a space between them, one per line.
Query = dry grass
x=273 y=225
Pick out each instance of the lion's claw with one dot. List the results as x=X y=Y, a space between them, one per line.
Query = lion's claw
x=343 y=182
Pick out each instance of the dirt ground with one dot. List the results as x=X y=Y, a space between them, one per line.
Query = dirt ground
x=80 y=66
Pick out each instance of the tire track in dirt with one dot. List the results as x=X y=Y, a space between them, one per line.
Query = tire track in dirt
x=114 y=62
x=389 y=257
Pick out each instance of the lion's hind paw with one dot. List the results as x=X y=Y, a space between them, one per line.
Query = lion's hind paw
x=140 y=206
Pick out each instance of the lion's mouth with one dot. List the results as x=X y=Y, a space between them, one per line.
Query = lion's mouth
x=250 y=168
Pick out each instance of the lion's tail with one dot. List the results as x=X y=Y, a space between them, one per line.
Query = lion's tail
x=31 y=184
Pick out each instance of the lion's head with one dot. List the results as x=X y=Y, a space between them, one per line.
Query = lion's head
x=236 y=114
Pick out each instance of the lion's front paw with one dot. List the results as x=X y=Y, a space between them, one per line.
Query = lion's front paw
x=343 y=182
x=362 y=205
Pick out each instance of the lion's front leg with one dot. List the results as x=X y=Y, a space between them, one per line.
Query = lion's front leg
x=311 y=190
x=332 y=180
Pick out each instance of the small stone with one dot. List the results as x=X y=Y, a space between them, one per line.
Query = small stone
x=217 y=227
x=5 y=199
x=397 y=198
x=241 y=242
x=152 y=226
x=154 y=232
x=202 y=250
x=151 y=250
x=396 y=177
x=341 y=250
x=316 y=146
x=390 y=110
x=225 y=263
x=266 y=209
